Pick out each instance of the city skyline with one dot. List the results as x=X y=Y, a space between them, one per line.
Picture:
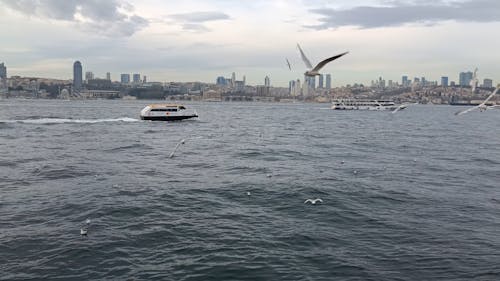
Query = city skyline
x=195 y=41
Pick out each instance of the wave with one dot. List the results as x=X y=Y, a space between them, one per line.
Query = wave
x=66 y=120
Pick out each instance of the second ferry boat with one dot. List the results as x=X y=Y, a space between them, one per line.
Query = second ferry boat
x=353 y=104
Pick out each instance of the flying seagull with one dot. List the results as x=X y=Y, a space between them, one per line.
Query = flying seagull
x=288 y=63
x=482 y=107
x=313 y=71
x=175 y=149
x=401 y=107
x=313 y=201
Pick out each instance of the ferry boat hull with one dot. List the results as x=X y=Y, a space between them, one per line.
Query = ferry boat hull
x=168 y=118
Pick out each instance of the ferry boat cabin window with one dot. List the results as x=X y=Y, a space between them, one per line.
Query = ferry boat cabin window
x=164 y=109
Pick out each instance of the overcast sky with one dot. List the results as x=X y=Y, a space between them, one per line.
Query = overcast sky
x=200 y=40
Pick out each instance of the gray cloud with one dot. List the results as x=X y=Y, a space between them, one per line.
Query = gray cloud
x=101 y=17
x=195 y=21
x=397 y=13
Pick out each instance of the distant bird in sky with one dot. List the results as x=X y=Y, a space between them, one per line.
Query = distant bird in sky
x=176 y=146
x=313 y=201
x=313 y=71
x=474 y=81
x=288 y=63
x=482 y=106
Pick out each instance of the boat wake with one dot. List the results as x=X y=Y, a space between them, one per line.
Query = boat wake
x=65 y=120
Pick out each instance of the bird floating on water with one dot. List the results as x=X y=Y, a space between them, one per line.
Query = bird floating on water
x=482 y=106
x=85 y=228
x=314 y=71
x=313 y=201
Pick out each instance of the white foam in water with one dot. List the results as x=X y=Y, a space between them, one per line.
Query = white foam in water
x=64 y=120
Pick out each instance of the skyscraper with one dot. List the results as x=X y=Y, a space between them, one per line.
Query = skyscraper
x=77 y=76
x=267 y=81
x=488 y=83
x=464 y=78
x=108 y=76
x=233 y=80
x=125 y=78
x=444 y=81
x=328 y=81
x=221 y=81
x=136 y=78
x=321 y=77
x=144 y=79
x=404 y=81
x=3 y=71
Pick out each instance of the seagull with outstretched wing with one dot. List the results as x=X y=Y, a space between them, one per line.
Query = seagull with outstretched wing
x=314 y=71
x=481 y=107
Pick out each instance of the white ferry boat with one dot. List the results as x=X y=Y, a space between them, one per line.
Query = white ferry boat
x=353 y=104
x=166 y=112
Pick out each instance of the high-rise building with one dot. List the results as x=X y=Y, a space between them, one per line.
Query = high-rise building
x=89 y=75
x=77 y=76
x=144 y=80
x=320 y=82
x=267 y=81
x=108 y=76
x=125 y=78
x=3 y=71
x=465 y=78
x=404 y=81
x=233 y=80
x=221 y=81
x=328 y=81
x=444 y=81
x=136 y=78
x=488 y=83
x=310 y=81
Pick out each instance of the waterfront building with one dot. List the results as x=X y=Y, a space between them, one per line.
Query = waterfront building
x=136 y=78
x=125 y=78
x=77 y=76
x=233 y=80
x=89 y=75
x=3 y=71
x=328 y=81
x=444 y=81
x=144 y=80
x=108 y=76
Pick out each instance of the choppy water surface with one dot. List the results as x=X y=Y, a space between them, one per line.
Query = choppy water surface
x=409 y=196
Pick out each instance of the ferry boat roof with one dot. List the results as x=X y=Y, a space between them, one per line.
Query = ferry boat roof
x=163 y=105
